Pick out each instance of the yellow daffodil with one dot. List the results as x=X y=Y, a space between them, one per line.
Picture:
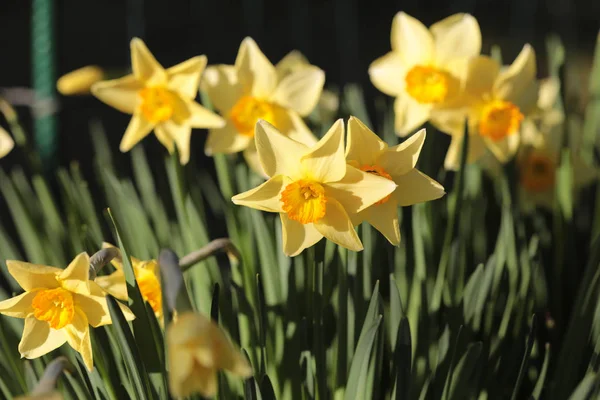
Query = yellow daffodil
x=198 y=349
x=312 y=188
x=426 y=67
x=147 y=276
x=254 y=89
x=6 y=143
x=58 y=306
x=80 y=81
x=367 y=152
x=43 y=396
x=159 y=99
x=496 y=101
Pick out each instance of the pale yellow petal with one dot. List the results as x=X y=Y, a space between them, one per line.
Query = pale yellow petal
x=39 y=339
x=410 y=114
x=226 y=140
x=256 y=74
x=292 y=61
x=358 y=189
x=526 y=98
x=18 y=306
x=326 y=162
x=78 y=337
x=457 y=36
x=300 y=90
x=278 y=154
x=184 y=78
x=33 y=276
x=201 y=117
x=337 y=227
x=291 y=124
x=138 y=128
x=475 y=151
x=416 y=187
x=96 y=310
x=387 y=73
x=76 y=276
x=296 y=236
x=144 y=65
x=504 y=149
x=114 y=284
x=549 y=92
x=121 y=93
x=450 y=121
x=402 y=158
x=412 y=40
x=265 y=197
x=181 y=135
x=164 y=137
x=519 y=76
x=363 y=146
x=6 y=143
x=221 y=84
x=384 y=218
x=482 y=72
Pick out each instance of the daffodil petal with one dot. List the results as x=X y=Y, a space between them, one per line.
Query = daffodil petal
x=387 y=73
x=416 y=187
x=300 y=90
x=6 y=143
x=291 y=62
x=475 y=151
x=121 y=93
x=75 y=277
x=410 y=114
x=518 y=76
x=181 y=135
x=114 y=284
x=164 y=137
x=278 y=154
x=78 y=337
x=265 y=197
x=326 y=162
x=138 y=128
x=358 y=189
x=506 y=148
x=144 y=65
x=33 y=276
x=412 y=40
x=221 y=84
x=226 y=140
x=400 y=159
x=256 y=74
x=96 y=310
x=363 y=146
x=39 y=339
x=482 y=72
x=296 y=236
x=384 y=218
x=201 y=117
x=549 y=92
x=337 y=227
x=251 y=157
x=457 y=36
x=18 y=306
x=289 y=123
x=184 y=78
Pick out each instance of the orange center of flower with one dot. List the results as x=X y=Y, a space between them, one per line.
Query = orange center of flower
x=55 y=306
x=428 y=84
x=537 y=173
x=158 y=103
x=499 y=119
x=377 y=170
x=150 y=288
x=248 y=110
x=304 y=201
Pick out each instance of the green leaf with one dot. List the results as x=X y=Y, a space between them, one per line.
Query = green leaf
x=357 y=378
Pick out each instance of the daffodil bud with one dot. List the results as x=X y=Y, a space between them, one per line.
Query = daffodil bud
x=45 y=388
x=79 y=81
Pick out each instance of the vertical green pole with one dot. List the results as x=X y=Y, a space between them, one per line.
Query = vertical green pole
x=44 y=79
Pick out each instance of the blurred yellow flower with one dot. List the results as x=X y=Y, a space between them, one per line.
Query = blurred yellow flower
x=147 y=276
x=312 y=188
x=6 y=143
x=58 y=305
x=159 y=99
x=254 y=89
x=426 y=67
x=79 y=81
x=42 y=396
x=198 y=349
x=366 y=151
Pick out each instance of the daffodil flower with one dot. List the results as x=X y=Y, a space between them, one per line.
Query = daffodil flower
x=426 y=67
x=496 y=103
x=147 y=276
x=254 y=89
x=58 y=306
x=6 y=143
x=198 y=349
x=367 y=152
x=159 y=99
x=312 y=189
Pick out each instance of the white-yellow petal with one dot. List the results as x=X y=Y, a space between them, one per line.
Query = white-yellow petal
x=363 y=146
x=255 y=72
x=384 y=218
x=412 y=40
x=482 y=73
x=39 y=339
x=410 y=114
x=278 y=154
x=75 y=277
x=181 y=135
x=388 y=73
x=164 y=137
x=220 y=82
x=226 y=140
x=33 y=276
x=518 y=76
x=326 y=162
x=18 y=306
x=184 y=78
x=144 y=65
x=400 y=159
x=300 y=90
x=265 y=197
x=296 y=236
x=337 y=227
x=475 y=151
x=291 y=62
x=78 y=337
x=506 y=148
x=457 y=36
x=416 y=187
x=6 y=143
x=121 y=93
x=138 y=128
x=201 y=117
